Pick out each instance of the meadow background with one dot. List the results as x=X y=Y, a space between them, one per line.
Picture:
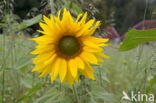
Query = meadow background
x=133 y=70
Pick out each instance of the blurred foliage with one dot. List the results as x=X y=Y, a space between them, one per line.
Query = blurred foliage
x=23 y=7
x=119 y=13
x=123 y=14
x=26 y=23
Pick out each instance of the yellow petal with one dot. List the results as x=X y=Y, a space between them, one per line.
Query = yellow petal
x=90 y=44
x=103 y=55
x=80 y=63
x=63 y=70
x=42 y=58
x=86 y=27
x=90 y=49
x=97 y=24
x=59 y=14
x=73 y=67
x=38 y=67
x=100 y=60
x=44 y=39
x=55 y=69
x=103 y=44
x=45 y=46
x=69 y=77
x=96 y=40
x=83 y=19
x=89 y=57
x=76 y=79
x=89 y=72
x=67 y=17
x=78 y=18
x=46 y=20
x=59 y=26
x=45 y=27
x=47 y=70
x=40 y=50
x=51 y=59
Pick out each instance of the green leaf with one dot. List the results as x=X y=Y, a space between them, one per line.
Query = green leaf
x=73 y=7
x=30 y=92
x=23 y=61
x=51 y=95
x=30 y=22
x=137 y=37
x=76 y=8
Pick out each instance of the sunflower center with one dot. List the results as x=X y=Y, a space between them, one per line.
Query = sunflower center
x=69 y=45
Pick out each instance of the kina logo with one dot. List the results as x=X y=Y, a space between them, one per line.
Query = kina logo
x=138 y=97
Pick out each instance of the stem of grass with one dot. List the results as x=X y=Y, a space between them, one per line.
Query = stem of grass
x=75 y=94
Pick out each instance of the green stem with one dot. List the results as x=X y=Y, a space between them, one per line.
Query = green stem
x=75 y=94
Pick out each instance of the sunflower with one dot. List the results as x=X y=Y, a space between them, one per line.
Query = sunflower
x=67 y=47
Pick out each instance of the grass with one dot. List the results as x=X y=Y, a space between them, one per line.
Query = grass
x=124 y=71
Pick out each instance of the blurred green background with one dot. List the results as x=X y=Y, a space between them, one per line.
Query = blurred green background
x=134 y=70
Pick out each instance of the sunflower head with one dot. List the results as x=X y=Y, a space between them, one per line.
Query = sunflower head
x=67 y=47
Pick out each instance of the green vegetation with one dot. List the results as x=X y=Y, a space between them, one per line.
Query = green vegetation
x=136 y=37
x=124 y=71
x=133 y=70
